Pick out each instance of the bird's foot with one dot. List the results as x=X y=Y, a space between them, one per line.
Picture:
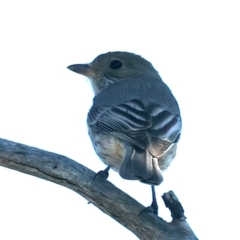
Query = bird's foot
x=103 y=173
x=153 y=208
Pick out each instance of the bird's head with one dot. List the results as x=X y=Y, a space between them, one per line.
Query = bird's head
x=112 y=67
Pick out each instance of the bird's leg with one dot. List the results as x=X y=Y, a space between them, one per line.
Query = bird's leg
x=154 y=204
x=103 y=173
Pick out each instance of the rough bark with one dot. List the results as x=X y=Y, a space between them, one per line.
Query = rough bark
x=100 y=192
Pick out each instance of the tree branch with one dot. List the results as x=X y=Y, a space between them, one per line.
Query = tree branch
x=103 y=194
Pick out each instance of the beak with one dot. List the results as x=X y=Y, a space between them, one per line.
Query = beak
x=84 y=69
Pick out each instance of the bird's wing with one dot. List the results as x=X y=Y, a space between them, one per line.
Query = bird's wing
x=165 y=130
x=136 y=123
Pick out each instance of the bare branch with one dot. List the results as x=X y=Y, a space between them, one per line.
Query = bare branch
x=104 y=195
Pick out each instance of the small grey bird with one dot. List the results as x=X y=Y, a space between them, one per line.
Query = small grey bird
x=134 y=122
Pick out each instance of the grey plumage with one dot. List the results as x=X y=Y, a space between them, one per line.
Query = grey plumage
x=134 y=122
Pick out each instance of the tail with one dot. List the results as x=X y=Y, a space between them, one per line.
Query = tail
x=139 y=164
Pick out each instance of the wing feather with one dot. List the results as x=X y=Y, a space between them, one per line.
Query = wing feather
x=138 y=124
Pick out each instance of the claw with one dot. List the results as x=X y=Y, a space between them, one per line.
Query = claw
x=103 y=173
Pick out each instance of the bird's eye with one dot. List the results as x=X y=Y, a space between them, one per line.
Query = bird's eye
x=115 y=64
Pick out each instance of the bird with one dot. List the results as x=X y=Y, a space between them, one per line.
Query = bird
x=134 y=122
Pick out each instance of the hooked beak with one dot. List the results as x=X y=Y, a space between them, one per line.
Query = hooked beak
x=84 y=69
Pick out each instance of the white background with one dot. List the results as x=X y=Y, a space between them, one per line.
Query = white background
x=194 y=46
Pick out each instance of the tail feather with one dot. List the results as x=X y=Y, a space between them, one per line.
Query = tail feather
x=140 y=165
x=126 y=170
x=156 y=177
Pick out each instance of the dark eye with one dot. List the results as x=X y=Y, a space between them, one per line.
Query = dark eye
x=115 y=64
